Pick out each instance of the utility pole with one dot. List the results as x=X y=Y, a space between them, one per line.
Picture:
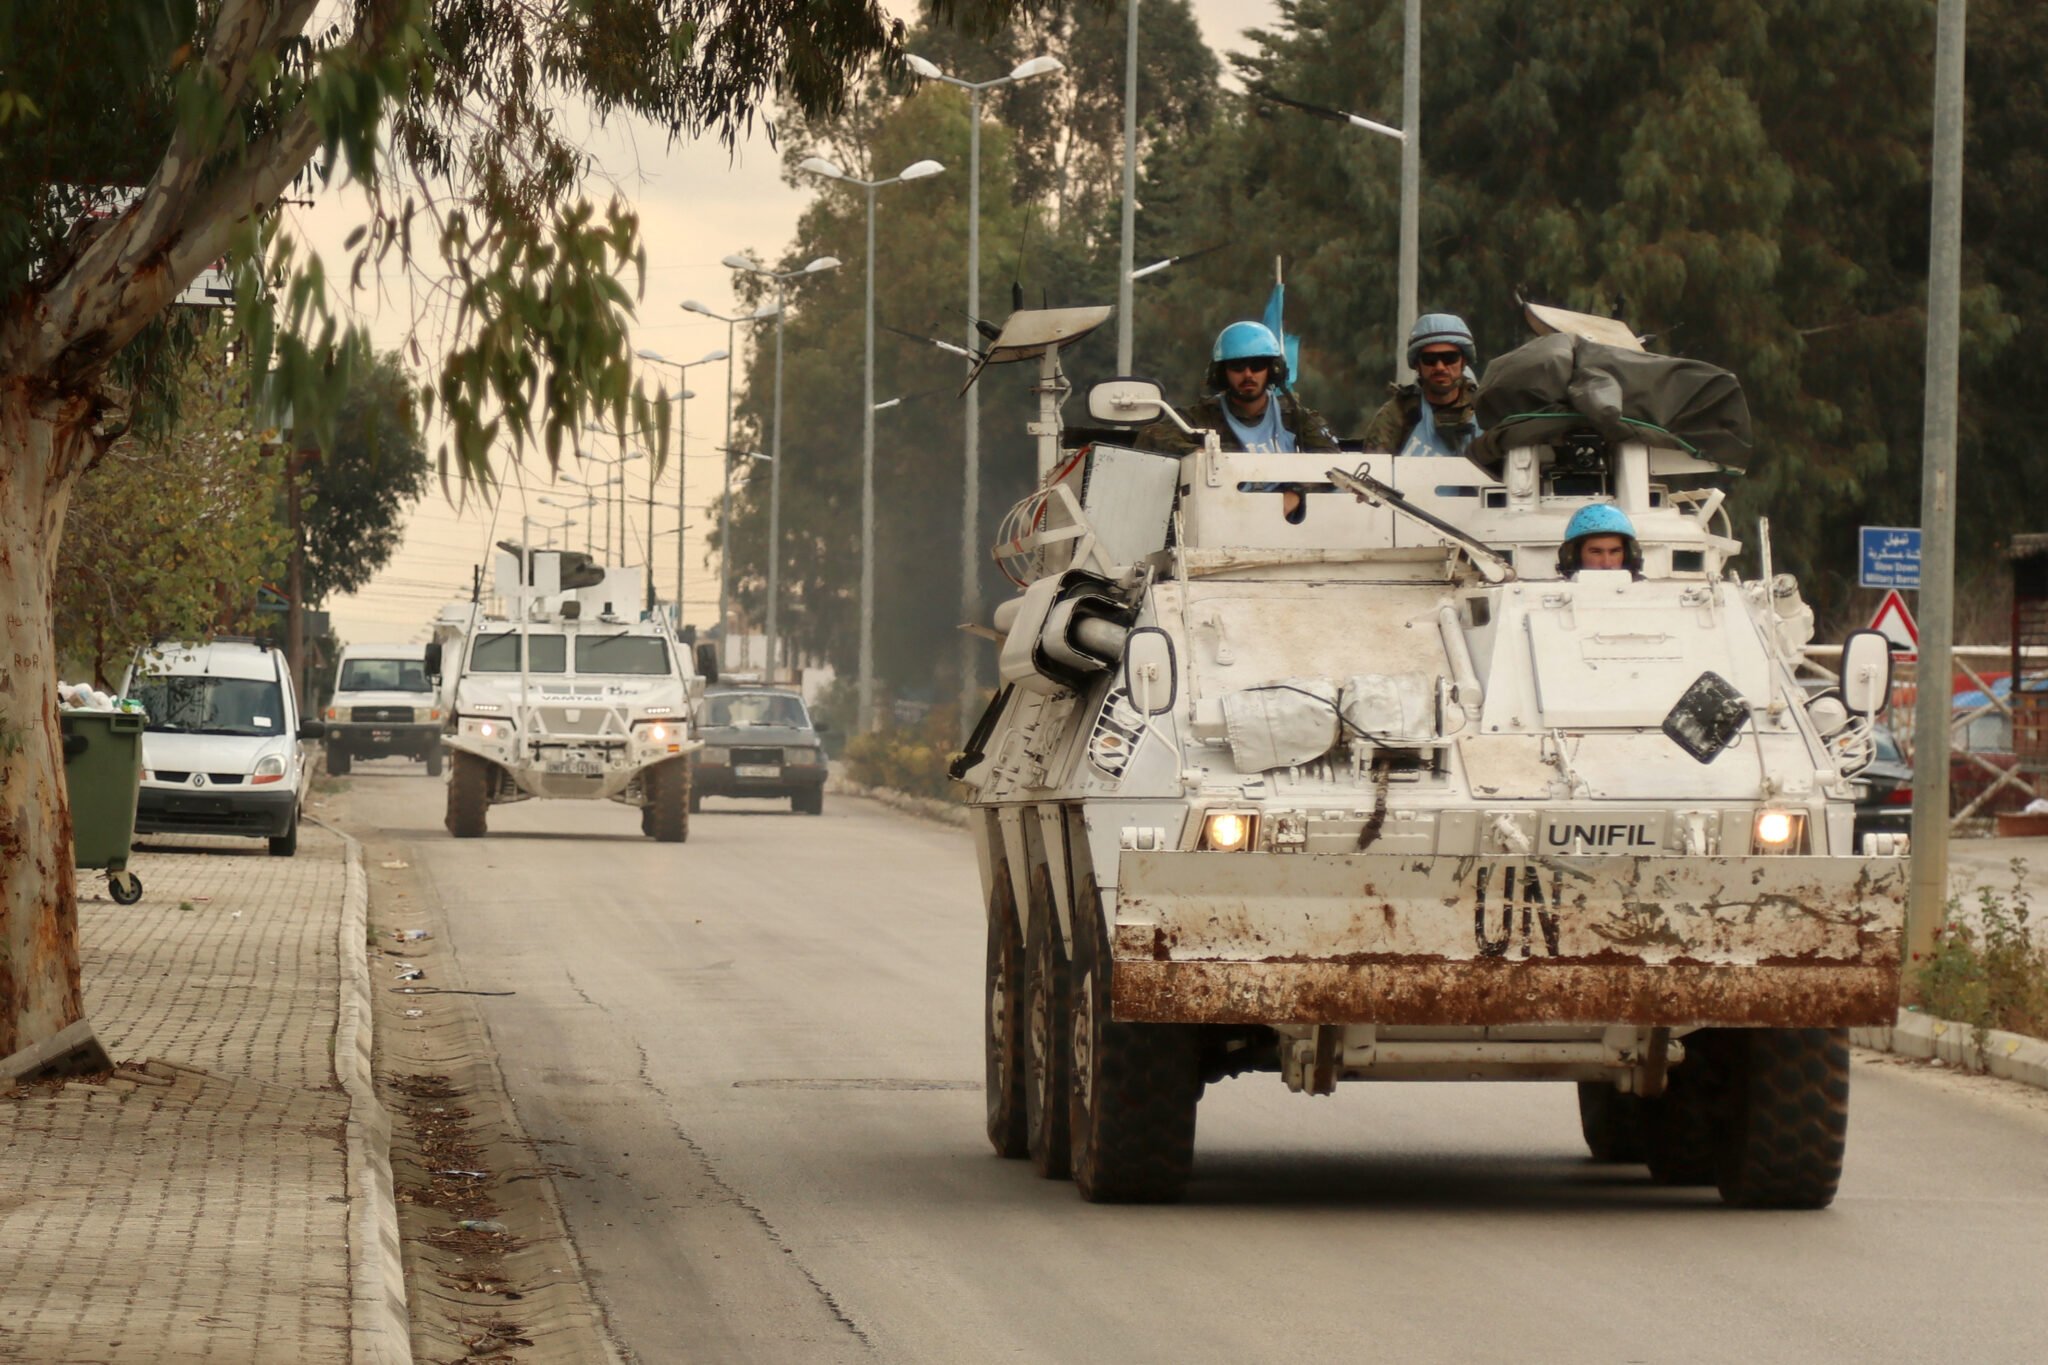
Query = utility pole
x=1411 y=181
x=1928 y=904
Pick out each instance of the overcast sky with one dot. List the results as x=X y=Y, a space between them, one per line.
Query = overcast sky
x=696 y=205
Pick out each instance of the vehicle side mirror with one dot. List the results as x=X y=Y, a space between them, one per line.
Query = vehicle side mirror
x=1125 y=402
x=313 y=729
x=1150 y=678
x=820 y=727
x=707 y=661
x=1866 y=672
x=434 y=661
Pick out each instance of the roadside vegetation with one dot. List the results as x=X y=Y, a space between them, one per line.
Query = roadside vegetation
x=910 y=759
x=1988 y=970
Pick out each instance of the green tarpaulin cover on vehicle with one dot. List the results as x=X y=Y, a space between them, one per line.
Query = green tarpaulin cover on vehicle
x=1558 y=384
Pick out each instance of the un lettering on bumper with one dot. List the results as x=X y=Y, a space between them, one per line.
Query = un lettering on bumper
x=1390 y=939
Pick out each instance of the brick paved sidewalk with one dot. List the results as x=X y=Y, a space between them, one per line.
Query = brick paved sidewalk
x=198 y=1208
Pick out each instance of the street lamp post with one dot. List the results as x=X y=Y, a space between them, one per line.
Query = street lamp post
x=683 y=397
x=916 y=170
x=765 y=311
x=586 y=502
x=970 y=551
x=620 y=461
x=781 y=280
x=1128 y=243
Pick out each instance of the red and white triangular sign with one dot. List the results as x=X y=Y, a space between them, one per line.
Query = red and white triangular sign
x=1895 y=623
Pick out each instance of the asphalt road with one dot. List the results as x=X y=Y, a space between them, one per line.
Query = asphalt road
x=760 y=1054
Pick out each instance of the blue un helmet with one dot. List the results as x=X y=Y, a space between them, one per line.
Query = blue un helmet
x=1246 y=341
x=1445 y=329
x=1598 y=519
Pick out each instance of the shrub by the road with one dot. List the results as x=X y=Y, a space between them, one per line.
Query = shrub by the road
x=1990 y=973
x=909 y=759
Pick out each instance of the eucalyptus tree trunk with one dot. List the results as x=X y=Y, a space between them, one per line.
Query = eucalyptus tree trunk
x=43 y=448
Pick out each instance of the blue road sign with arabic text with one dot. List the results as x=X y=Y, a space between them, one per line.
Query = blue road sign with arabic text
x=1890 y=557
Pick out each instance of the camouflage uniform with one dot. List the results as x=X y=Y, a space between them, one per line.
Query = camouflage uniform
x=1311 y=432
x=1397 y=416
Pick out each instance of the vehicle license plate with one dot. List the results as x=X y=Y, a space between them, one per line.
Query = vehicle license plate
x=757 y=770
x=380 y=736
x=576 y=767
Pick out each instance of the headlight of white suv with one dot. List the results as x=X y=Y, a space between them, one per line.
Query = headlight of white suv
x=269 y=768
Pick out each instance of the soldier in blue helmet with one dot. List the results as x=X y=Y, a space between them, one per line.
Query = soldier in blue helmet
x=1246 y=401
x=1599 y=536
x=1432 y=416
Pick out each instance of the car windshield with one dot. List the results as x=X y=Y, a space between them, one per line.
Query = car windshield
x=211 y=706
x=498 y=652
x=646 y=654
x=755 y=708
x=382 y=675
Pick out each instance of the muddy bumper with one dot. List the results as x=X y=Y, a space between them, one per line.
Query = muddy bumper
x=1323 y=939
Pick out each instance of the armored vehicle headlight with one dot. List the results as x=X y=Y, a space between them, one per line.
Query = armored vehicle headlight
x=655 y=734
x=1779 y=831
x=1228 y=831
x=485 y=706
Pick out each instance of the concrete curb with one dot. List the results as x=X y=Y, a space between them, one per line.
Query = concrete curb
x=380 y=1328
x=2011 y=1056
x=923 y=807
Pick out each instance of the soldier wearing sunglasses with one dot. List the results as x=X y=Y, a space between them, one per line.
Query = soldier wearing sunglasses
x=1432 y=416
x=1247 y=402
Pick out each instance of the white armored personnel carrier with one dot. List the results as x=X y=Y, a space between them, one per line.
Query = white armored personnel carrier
x=1372 y=793
x=572 y=696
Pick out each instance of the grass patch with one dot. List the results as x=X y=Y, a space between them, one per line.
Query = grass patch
x=1989 y=974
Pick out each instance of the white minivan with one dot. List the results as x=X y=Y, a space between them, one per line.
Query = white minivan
x=220 y=749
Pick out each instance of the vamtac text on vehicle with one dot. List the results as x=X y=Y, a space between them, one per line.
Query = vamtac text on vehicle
x=569 y=694
x=1320 y=766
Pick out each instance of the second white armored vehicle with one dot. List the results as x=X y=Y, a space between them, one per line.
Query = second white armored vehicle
x=1371 y=792
x=570 y=697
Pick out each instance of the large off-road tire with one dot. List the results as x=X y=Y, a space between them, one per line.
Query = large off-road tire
x=337 y=760
x=1135 y=1086
x=285 y=845
x=432 y=758
x=469 y=795
x=1612 y=1122
x=1002 y=1024
x=668 y=801
x=1787 y=1118
x=1682 y=1127
x=1045 y=1035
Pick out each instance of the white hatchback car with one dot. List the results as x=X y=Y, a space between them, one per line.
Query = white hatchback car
x=220 y=753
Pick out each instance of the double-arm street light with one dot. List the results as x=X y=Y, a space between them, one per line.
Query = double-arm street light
x=763 y=313
x=970 y=530
x=916 y=170
x=683 y=397
x=780 y=279
x=616 y=474
x=585 y=503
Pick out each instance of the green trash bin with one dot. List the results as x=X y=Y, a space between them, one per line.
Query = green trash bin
x=103 y=772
